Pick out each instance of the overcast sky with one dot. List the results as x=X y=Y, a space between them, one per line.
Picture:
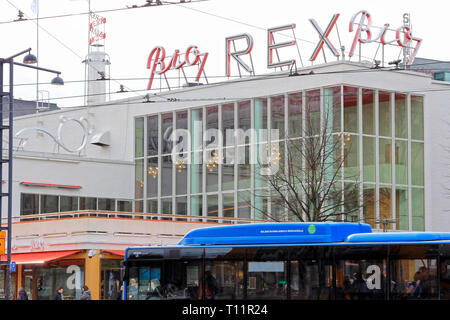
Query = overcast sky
x=131 y=35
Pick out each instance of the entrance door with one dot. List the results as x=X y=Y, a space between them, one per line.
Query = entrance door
x=28 y=282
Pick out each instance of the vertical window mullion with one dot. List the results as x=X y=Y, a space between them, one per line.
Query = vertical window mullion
x=393 y=158
x=408 y=106
x=377 y=160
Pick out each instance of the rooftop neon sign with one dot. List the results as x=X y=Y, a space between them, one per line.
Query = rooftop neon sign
x=360 y=24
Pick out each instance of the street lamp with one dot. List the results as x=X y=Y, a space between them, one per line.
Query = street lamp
x=27 y=62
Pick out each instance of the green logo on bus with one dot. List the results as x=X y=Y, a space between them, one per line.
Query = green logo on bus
x=312 y=229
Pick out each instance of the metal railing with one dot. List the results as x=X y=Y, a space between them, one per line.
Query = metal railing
x=130 y=215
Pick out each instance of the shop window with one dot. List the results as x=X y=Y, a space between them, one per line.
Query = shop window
x=111 y=280
x=69 y=276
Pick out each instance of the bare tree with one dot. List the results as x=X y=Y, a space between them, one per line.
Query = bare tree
x=308 y=181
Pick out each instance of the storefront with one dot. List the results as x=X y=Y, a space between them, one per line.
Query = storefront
x=42 y=273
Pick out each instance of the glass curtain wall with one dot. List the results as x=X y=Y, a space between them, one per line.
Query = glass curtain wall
x=381 y=137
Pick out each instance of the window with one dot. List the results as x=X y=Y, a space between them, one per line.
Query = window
x=49 y=204
x=312 y=109
x=166 y=176
x=68 y=203
x=88 y=203
x=29 y=204
x=125 y=205
x=351 y=121
x=227 y=280
x=152 y=135
x=414 y=279
x=166 y=131
x=385 y=117
x=401 y=116
x=139 y=137
x=295 y=114
x=416 y=118
x=106 y=204
x=277 y=115
x=368 y=110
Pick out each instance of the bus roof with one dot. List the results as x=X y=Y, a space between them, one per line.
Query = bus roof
x=274 y=233
x=301 y=233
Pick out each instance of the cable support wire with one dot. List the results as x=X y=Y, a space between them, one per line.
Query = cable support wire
x=233 y=76
x=259 y=78
x=163 y=3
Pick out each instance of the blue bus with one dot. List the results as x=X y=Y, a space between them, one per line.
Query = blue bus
x=294 y=261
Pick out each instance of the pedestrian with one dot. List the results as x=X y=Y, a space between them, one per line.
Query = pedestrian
x=59 y=294
x=85 y=293
x=22 y=294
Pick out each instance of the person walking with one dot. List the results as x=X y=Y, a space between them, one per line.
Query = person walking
x=22 y=294
x=85 y=293
x=59 y=294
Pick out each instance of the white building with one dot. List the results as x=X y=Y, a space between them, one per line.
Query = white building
x=113 y=156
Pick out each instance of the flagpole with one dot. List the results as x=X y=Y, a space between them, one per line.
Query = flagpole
x=37 y=54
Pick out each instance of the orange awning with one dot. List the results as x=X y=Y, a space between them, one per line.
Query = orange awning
x=39 y=257
x=116 y=252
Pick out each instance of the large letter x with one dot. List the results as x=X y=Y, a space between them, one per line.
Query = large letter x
x=324 y=37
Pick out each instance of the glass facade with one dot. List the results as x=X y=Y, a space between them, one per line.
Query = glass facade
x=382 y=135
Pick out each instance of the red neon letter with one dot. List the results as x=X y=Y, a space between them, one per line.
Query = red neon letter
x=361 y=28
x=159 y=60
